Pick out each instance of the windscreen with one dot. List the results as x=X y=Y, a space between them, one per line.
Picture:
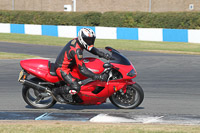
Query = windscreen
x=119 y=58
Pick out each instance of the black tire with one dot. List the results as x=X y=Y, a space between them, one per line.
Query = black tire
x=33 y=97
x=131 y=99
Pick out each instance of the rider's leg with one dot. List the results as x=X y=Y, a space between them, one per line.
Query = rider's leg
x=57 y=92
x=74 y=86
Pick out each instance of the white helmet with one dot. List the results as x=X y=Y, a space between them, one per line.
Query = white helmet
x=86 y=38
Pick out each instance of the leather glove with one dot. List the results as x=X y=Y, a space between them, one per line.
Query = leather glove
x=107 y=56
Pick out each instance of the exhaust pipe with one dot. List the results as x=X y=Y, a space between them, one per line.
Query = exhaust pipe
x=34 y=85
x=37 y=87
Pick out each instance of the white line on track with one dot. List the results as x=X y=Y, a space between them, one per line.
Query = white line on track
x=105 y=118
x=112 y=119
x=42 y=116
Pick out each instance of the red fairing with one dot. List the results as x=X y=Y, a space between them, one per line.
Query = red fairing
x=39 y=68
x=93 y=64
x=90 y=98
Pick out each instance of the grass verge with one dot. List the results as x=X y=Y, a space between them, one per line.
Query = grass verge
x=4 y=55
x=161 y=47
x=87 y=127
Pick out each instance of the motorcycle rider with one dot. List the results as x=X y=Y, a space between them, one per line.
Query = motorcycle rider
x=72 y=55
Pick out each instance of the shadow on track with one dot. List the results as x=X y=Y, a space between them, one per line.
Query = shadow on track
x=105 y=107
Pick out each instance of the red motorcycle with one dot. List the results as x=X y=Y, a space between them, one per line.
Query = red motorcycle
x=39 y=78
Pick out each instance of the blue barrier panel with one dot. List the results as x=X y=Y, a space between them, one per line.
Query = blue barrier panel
x=17 y=28
x=175 y=35
x=50 y=30
x=127 y=33
x=80 y=27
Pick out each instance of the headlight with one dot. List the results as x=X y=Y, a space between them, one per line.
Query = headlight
x=131 y=73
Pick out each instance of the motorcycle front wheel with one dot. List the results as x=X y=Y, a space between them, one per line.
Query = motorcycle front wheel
x=131 y=99
x=37 y=99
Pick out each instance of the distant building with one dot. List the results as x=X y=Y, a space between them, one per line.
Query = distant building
x=101 y=5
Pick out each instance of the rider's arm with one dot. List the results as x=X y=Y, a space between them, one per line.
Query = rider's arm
x=81 y=65
x=99 y=53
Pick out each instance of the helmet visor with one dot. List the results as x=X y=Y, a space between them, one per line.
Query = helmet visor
x=89 y=40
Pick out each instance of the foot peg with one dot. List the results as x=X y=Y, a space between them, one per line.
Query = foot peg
x=57 y=96
x=68 y=97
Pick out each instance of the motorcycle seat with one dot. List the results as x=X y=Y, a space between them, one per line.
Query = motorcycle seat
x=52 y=69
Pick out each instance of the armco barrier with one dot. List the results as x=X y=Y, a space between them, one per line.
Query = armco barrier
x=143 y=34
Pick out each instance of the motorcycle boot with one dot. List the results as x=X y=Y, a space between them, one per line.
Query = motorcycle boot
x=57 y=94
x=74 y=86
x=62 y=94
x=66 y=95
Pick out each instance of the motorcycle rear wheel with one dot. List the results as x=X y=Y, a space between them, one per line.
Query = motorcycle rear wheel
x=37 y=99
x=131 y=99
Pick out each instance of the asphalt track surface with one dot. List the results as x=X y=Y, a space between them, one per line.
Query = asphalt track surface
x=171 y=84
